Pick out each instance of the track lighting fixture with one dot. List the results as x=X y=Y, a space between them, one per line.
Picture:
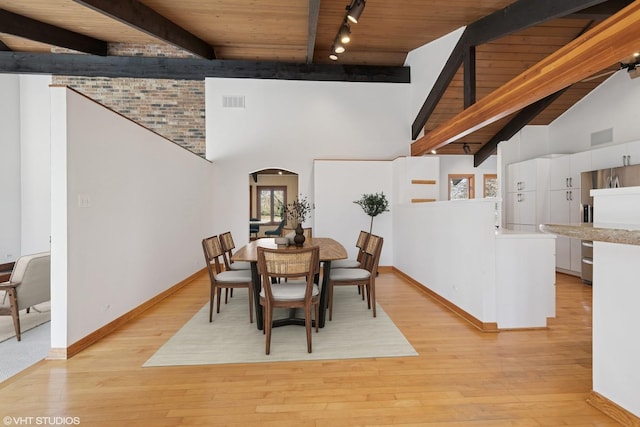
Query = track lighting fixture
x=355 y=10
x=466 y=148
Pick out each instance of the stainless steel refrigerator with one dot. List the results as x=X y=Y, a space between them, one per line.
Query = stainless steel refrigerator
x=624 y=176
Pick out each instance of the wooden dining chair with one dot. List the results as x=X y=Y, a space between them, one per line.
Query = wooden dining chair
x=364 y=277
x=361 y=243
x=275 y=264
x=226 y=240
x=219 y=279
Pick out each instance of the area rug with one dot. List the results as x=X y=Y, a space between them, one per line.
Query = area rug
x=353 y=333
x=38 y=315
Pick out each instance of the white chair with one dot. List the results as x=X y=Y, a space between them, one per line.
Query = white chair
x=29 y=285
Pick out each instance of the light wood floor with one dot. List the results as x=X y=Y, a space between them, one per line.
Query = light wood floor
x=461 y=378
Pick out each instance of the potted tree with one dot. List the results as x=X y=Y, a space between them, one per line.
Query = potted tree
x=373 y=205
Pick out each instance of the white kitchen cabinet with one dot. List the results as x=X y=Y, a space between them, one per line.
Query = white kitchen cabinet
x=565 y=209
x=559 y=172
x=614 y=156
x=527 y=198
x=523 y=176
x=632 y=151
x=564 y=205
x=525 y=280
x=565 y=170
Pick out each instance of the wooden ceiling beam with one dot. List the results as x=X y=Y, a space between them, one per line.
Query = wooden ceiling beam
x=314 y=15
x=469 y=76
x=521 y=15
x=193 y=68
x=510 y=129
x=143 y=18
x=602 y=46
x=518 y=16
x=439 y=87
x=601 y=11
x=521 y=119
x=21 y=26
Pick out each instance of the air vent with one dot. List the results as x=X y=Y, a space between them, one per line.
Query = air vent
x=233 y=101
x=602 y=137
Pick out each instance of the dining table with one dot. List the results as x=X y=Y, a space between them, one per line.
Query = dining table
x=330 y=250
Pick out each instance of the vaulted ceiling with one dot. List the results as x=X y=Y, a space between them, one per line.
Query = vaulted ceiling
x=291 y=39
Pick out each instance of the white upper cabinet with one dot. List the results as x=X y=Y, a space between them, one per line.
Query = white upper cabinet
x=527 y=201
x=580 y=162
x=607 y=157
x=559 y=172
x=565 y=170
x=525 y=176
x=615 y=156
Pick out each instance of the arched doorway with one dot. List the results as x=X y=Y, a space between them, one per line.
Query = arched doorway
x=269 y=192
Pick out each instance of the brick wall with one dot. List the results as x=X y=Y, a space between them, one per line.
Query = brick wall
x=171 y=108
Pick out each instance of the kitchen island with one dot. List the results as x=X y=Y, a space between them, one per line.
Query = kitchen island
x=616 y=293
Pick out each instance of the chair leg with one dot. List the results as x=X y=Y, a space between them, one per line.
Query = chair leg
x=219 y=298
x=373 y=297
x=368 y=288
x=267 y=328
x=317 y=315
x=307 y=326
x=13 y=300
x=211 y=294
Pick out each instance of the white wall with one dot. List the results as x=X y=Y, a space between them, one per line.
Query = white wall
x=336 y=214
x=289 y=124
x=426 y=63
x=614 y=104
x=35 y=161
x=137 y=207
x=431 y=237
x=10 y=168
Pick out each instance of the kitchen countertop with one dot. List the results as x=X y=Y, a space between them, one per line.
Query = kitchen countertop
x=612 y=233
x=503 y=233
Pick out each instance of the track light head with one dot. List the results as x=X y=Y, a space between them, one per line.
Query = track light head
x=466 y=148
x=355 y=10
x=333 y=56
x=345 y=33
x=337 y=47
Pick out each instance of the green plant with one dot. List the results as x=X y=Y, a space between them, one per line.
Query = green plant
x=298 y=210
x=373 y=205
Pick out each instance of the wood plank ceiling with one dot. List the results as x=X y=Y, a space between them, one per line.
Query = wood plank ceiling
x=291 y=39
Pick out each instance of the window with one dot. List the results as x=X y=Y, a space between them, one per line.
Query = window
x=490 y=187
x=272 y=201
x=461 y=186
